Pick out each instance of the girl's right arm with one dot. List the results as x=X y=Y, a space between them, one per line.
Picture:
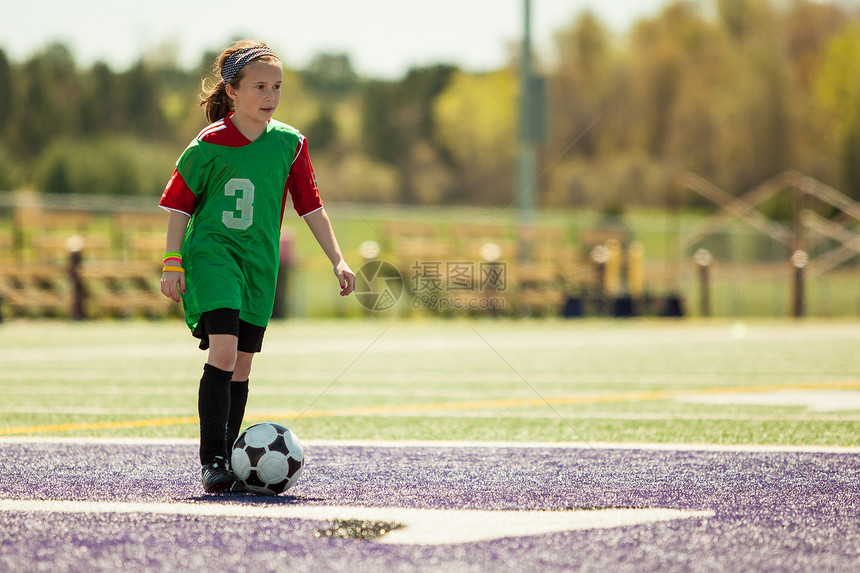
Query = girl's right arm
x=173 y=282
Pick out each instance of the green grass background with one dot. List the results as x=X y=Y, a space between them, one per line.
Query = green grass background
x=457 y=379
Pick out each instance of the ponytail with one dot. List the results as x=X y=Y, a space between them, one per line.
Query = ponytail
x=215 y=102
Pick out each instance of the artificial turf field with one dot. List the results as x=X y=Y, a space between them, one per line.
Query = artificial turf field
x=604 y=445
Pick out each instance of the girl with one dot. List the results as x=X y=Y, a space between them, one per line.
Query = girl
x=226 y=201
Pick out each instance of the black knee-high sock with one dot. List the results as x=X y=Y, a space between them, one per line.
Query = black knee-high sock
x=213 y=407
x=238 y=399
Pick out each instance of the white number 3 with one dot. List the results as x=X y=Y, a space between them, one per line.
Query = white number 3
x=244 y=204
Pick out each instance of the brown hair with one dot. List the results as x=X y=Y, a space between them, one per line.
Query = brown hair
x=214 y=99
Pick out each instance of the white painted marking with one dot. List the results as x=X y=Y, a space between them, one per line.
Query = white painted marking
x=814 y=400
x=100 y=441
x=422 y=526
x=741 y=448
x=495 y=415
x=96 y=411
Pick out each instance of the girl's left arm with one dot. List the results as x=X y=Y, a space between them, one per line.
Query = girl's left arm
x=320 y=226
x=173 y=282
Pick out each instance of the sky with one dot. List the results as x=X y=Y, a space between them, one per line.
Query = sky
x=384 y=38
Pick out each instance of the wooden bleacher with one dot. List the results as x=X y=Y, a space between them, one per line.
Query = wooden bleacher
x=35 y=290
x=118 y=270
x=140 y=235
x=535 y=284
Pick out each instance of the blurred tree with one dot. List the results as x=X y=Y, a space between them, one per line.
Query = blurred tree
x=10 y=173
x=322 y=131
x=808 y=27
x=676 y=44
x=736 y=16
x=99 y=113
x=140 y=104
x=696 y=130
x=299 y=107
x=735 y=90
x=330 y=75
x=356 y=177
x=7 y=91
x=107 y=166
x=380 y=131
x=49 y=92
x=477 y=118
x=579 y=84
x=398 y=116
x=770 y=110
x=838 y=97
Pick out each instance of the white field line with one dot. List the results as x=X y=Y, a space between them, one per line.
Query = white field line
x=448 y=444
x=814 y=401
x=488 y=413
x=97 y=411
x=507 y=389
x=421 y=526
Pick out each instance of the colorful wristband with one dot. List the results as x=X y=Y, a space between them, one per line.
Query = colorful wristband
x=174 y=269
x=176 y=256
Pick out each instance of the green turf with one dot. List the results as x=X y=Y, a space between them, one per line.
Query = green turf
x=459 y=379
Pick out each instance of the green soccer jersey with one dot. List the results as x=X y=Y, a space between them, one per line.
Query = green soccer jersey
x=230 y=251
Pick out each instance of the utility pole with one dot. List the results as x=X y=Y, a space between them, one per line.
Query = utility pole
x=527 y=145
x=533 y=132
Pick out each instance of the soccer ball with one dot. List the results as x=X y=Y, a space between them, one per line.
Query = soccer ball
x=268 y=458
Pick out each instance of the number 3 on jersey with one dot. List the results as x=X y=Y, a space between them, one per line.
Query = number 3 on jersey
x=244 y=204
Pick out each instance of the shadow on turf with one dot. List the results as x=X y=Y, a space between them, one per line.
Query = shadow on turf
x=253 y=499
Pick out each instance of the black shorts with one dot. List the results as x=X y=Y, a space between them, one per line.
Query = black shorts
x=227 y=321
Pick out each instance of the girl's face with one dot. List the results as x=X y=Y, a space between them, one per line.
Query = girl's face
x=259 y=91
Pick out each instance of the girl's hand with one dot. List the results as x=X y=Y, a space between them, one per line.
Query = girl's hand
x=345 y=277
x=172 y=284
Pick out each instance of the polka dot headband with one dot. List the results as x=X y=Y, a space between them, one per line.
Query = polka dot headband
x=238 y=59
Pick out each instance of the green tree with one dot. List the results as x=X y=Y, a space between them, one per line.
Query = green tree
x=99 y=113
x=49 y=94
x=10 y=173
x=7 y=93
x=330 y=75
x=477 y=118
x=579 y=85
x=837 y=94
x=378 y=126
x=808 y=27
x=665 y=51
x=398 y=119
x=140 y=103
x=322 y=131
x=107 y=166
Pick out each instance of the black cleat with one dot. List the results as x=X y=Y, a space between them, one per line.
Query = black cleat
x=217 y=476
x=238 y=487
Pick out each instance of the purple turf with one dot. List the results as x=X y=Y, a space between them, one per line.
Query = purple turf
x=774 y=511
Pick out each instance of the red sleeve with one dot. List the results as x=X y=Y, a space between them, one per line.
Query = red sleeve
x=302 y=183
x=178 y=196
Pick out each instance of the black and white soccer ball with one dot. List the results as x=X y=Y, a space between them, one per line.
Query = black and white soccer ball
x=268 y=458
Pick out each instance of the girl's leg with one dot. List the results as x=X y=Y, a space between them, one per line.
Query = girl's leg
x=242 y=369
x=213 y=397
x=223 y=351
x=250 y=342
x=238 y=396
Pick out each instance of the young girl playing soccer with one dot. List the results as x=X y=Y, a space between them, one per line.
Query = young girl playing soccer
x=226 y=201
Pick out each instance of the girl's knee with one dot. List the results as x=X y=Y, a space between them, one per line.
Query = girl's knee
x=223 y=352
x=242 y=371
